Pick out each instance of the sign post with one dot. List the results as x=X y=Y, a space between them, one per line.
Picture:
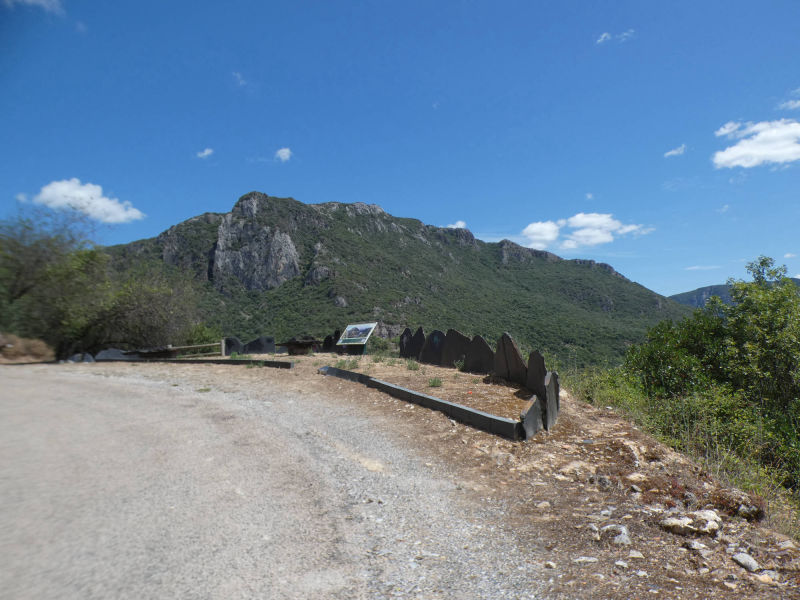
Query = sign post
x=355 y=336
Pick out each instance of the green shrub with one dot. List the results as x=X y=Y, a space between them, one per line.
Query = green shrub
x=434 y=382
x=412 y=365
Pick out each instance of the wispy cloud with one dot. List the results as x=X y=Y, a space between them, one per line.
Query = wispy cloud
x=775 y=142
x=790 y=105
x=283 y=154
x=87 y=198
x=239 y=79
x=789 y=255
x=457 y=225
x=724 y=208
x=589 y=196
x=626 y=35
x=53 y=6
x=582 y=229
x=703 y=267
x=205 y=153
x=675 y=151
x=623 y=37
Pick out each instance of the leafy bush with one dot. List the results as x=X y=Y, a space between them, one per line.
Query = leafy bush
x=724 y=383
x=435 y=382
x=412 y=365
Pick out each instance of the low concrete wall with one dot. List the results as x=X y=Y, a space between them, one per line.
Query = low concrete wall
x=507 y=428
x=275 y=364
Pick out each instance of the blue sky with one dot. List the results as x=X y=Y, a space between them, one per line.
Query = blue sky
x=660 y=137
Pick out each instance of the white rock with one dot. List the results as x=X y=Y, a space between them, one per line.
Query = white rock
x=583 y=560
x=678 y=525
x=621 y=564
x=549 y=565
x=746 y=561
x=635 y=554
x=787 y=545
x=641 y=573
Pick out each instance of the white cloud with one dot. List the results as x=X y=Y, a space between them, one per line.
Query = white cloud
x=764 y=142
x=724 y=208
x=205 y=153
x=53 y=6
x=790 y=105
x=457 y=225
x=587 y=229
x=675 y=151
x=727 y=129
x=283 y=154
x=589 y=196
x=81 y=27
x=86 y=198
x=541 y=234
x=620 y=37
x=626 y=35
x=21 y=197
x=240 y=81
x=789 y=255
x=703 y=267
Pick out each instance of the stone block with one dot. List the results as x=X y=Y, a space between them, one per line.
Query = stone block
x=455 y=348
x=405 y=343
x=432 y=350
x=508 y=362
x=260 y=345
x=479 y=357
x=551 y=405
x=536 y=374
x=327 y=343
x=417 y=342
x=233 y=344
x=531 y=417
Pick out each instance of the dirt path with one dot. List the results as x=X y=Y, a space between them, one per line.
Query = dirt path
x=214 y=481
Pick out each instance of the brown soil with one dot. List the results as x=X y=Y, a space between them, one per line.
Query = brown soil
x=560 y=484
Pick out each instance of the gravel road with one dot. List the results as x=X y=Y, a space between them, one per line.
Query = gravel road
x=142 y=483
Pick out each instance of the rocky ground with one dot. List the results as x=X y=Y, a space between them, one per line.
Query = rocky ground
x=621 y=514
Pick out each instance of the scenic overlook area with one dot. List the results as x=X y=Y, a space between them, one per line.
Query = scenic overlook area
x=375 y=299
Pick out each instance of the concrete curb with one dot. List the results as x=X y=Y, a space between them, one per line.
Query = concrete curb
x=275 y=364
x=507 y=428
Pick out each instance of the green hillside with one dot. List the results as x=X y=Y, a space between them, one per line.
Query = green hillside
x=278 y=266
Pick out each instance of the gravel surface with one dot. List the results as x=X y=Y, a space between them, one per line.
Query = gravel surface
x=155 y=482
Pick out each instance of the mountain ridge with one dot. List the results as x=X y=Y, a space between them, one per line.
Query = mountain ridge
x=279 y=266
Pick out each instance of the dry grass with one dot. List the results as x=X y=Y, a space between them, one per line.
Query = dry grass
x=17 y=349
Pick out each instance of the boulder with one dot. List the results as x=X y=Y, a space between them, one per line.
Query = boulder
x=432 y=350
x=455 y=348
x=536 y=374
x=405 y=343
x=233 y=344
x=260 y=345
x=508 y=363
x=479 y=357
x=113 y=354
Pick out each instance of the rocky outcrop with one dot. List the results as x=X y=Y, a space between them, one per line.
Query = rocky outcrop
x=259 y=256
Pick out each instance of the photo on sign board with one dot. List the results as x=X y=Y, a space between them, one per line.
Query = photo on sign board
x=356 y=334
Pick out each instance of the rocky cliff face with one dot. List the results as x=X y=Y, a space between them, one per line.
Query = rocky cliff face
x=258 y=256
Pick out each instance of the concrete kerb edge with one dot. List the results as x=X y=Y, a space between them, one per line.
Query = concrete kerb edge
x=275 y=364
x=502 y=426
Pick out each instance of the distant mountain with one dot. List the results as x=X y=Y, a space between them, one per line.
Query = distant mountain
x=278 y=266
x=697 y=298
